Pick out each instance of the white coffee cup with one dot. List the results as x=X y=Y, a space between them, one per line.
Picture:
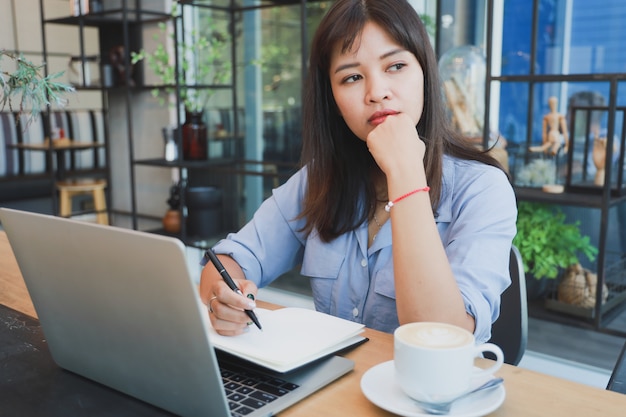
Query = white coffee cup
x=434 y=362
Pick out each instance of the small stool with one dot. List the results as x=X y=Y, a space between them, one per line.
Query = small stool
x=70 y=188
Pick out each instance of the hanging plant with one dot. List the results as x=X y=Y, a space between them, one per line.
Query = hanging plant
x=27 y=90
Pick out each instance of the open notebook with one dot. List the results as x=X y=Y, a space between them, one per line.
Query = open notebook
x=291 y=337
x=120 y=307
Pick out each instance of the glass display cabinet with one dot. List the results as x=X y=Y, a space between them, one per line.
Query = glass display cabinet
x=596 y=152
x=555 y=89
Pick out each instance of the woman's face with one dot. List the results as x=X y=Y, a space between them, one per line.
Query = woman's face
x=375 y=79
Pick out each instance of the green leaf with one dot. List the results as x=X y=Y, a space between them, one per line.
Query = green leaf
x=546 y=242
x=26 y=85
x=211 y=63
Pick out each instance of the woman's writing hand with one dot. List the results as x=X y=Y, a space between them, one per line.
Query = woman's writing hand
x=225 y=306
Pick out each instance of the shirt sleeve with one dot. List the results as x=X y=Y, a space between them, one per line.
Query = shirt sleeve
x=477 y=230
x=271 y=243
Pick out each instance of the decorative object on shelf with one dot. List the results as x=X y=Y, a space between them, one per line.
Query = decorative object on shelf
x=598 y=155
x=554 y=131
x=79 y=7
x=594 y=130
x=108 y=76
x=117 y=58
x=195 y=139
x=537 y=173
x=79 y=66
x=553 y=188
x=547 y=243
x=171 y=148
x=462 y=72
x=554 y=142
x=220 y=132
x=579 y=287
x=96 y=6
x=205 y=211
x=172 y=217
x=27 y=90
x=204 y=61
x=171 y=221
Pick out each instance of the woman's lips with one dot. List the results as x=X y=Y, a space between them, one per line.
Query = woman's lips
x=380 y=116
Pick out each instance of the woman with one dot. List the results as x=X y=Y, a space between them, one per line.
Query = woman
x=394 y=217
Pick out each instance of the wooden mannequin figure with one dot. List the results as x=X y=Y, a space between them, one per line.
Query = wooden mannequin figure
x=554 y=131
x=598 y=155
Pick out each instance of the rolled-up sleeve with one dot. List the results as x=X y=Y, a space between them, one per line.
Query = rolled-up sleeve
x=270 y=244
x=477 y=227
x=476 y=222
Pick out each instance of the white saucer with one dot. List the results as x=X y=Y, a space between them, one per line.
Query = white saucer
x=379 y=386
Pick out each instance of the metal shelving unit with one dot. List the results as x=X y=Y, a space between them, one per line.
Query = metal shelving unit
x=602 y=198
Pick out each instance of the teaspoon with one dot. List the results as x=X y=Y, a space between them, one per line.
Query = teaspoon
x=444 y=407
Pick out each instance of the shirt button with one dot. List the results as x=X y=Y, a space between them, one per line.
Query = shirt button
x=364 y=262
x=355 y=312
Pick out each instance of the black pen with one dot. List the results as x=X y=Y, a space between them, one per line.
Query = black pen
x=229 y=281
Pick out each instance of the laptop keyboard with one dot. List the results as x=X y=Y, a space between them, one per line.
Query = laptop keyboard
x=248 y=390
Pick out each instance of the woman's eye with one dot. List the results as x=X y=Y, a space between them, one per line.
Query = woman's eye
x=397 y=67
x=351 y=79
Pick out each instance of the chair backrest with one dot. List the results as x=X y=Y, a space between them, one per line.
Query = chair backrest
x=617 y=382
x=510 y=331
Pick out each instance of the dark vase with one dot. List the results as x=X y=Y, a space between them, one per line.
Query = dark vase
x=195 y=140
x=171 y=221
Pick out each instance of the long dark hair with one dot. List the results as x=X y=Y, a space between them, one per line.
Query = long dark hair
x=339 y=165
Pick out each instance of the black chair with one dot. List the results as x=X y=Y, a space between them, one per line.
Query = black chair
x=510 y=331
x=617 y=382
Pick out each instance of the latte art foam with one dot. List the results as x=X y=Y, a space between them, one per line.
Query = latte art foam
x=436 y=335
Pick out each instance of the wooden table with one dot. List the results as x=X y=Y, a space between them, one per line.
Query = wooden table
x=59 y=147
x=65 y=144
x=528 y=393
x=13 y=291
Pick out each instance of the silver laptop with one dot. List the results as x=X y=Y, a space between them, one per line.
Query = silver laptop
x=120 y=307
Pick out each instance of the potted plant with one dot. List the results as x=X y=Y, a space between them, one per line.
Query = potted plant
x=208 y=66
x=203 y=56
x=547 y=243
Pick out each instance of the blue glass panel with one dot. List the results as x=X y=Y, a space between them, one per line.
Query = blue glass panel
x=597 y=37
x=516 y=37
x=513 y=113
x=579 y=37
x=551 y=35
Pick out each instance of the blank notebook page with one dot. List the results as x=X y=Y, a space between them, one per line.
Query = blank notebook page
x=291 y=337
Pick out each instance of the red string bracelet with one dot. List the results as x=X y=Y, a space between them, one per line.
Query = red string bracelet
x=390 y=204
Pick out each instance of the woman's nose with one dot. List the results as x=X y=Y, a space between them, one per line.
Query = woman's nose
x=377 y=90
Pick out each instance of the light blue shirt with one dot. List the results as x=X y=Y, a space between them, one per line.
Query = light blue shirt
x=476 y=221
